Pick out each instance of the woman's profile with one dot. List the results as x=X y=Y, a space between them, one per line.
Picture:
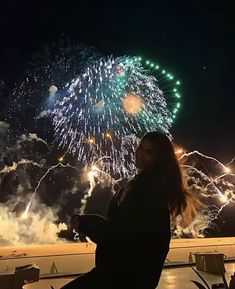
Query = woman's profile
x=133 y=240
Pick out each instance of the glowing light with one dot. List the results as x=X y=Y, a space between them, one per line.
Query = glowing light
x=53 y=89
x=132 y=103
x=24 y=215
x=94 y=168
x=61 y=159
x=89 y=176
x=224 y=199
x=227 y=169
x=26 y=211
x=101 y=104
x=108 y=135
x=91 y=141
x=179 y=151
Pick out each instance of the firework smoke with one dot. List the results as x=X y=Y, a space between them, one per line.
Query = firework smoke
x=38 y=228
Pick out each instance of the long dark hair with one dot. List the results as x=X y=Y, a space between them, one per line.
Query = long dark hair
x=171 y=183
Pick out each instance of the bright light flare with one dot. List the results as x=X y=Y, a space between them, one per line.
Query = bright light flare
x=90 y=173
x=91 y=141
x=132 y=103
x=227 y=170
x=179 y=151
x=108 y=135
x=61 y=159
x=223 y=199
x=24 y=215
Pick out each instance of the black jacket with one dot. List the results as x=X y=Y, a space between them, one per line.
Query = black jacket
x=135 y=236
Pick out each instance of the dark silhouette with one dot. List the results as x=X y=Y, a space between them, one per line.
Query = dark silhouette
x=133 y=242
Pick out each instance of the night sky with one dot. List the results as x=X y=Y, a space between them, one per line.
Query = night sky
x=195 y=40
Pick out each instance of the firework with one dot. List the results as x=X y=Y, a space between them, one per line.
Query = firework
x=45 y=76
x=213 y=183
x=110 y=104
x=97 y=104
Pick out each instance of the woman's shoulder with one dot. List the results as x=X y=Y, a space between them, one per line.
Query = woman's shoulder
x=148 y=179
x=149 y=184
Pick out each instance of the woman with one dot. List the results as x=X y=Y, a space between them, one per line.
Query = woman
x=133 y=242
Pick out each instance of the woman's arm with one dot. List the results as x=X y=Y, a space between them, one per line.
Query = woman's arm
x=93 y=226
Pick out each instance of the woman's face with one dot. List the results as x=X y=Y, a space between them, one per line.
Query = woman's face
x=146 y=155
